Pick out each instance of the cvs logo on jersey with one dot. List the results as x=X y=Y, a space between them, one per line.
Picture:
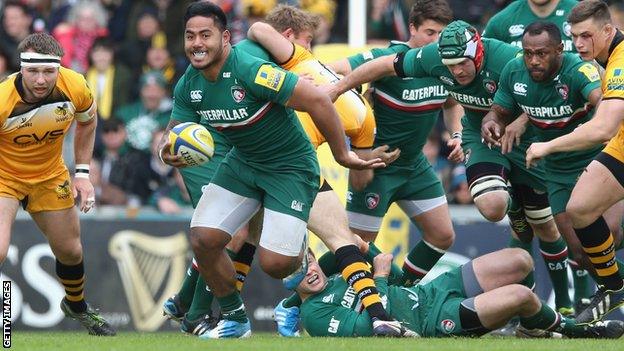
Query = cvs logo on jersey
x=34 y=138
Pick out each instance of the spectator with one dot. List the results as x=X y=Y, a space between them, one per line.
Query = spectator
x=16 y=25
x=111 y=83
x=118 y=18
x=325 y=9
x=617 y=14
x=133 y=52
x=150 y=113
x=237 y=23
x=158 y=59
x=388 y=20
x=86 y=22
x=4 y=66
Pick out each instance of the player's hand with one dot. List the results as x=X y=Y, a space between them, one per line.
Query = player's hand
x=308 y=77
x=535 y=153
x=491 y=133
x=382 y=264
x=457 y=153
x=384 y=155
x=167 y=158
x=352 y=161
x=512 y=135
x=82 y=187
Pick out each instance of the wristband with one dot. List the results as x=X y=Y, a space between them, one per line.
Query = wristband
x=82 y=171
x=456 y=135
x=81 y=175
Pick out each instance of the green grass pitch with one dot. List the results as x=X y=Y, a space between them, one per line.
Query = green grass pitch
x=172 y=341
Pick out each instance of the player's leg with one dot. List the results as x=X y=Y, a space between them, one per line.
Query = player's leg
x=424 y=201
x=51 y=206
x=328 y=220
x=219 y=214
x=599 y=188
x=8 y=210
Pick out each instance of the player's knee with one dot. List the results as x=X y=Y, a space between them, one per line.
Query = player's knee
x=521 y=260
x=580 y=214
x=524 y=296
x=203 y=241
x=442 y=239
x=278 y=267
x=69 y=254
x=546 y=231
x=493 y=210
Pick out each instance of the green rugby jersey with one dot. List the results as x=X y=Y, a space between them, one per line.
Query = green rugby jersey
x=508 y=25
x=254 y=49
x=245 y=103
x=337 y=311
x=476 y=97
x=555 y=107
x=406 y=109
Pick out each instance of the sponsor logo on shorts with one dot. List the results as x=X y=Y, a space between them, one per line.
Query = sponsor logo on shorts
x=372 y=200
x=467 y=157
x=62 y=191
x=238 y=93
x=447 y=326
x=297 y=205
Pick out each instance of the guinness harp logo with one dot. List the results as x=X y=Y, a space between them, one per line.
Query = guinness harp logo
x=151 y=269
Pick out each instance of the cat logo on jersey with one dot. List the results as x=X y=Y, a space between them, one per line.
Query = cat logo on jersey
x=270 y=77
x=489 y=85
x=590 y=72
x=63 y=191
x=238 y=93
x=563 y=90
x=372 y=200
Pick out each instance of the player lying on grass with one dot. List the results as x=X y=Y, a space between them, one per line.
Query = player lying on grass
x=470 y=300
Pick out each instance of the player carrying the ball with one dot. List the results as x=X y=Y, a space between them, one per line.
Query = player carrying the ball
x=272 y=164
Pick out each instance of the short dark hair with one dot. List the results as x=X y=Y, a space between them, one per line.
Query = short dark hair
x=16 y=3
x=41 y=43
x=435 y=10
x=206 y=9
x=595 y=9
x=539 y=27
x=112 y=124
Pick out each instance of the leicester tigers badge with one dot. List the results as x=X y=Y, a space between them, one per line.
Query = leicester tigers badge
x=372 y=200
x=447 y=326
x=238 y=93
x=489 y=85
x=563 y=90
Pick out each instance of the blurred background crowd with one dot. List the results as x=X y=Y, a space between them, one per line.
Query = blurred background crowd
x=131 y=54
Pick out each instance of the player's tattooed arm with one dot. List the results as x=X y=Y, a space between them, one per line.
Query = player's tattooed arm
x=493 y=124
x=164 y=147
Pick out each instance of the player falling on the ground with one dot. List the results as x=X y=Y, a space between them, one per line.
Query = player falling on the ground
x=272 y=164
x=469 y=68
x=508 y=26
x=468 y=301
x=602 y=184
x=327 y=218
x=39 y=104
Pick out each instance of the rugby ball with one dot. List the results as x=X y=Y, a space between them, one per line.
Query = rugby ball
x=193 y=142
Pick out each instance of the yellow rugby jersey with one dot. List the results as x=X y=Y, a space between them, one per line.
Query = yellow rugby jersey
x=355 y=114
x=613 y=88
x=31 y=135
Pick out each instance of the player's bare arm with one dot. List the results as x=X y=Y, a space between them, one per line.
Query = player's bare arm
x=600 y=129
x=278 y=46
x=164 y=147
x=306 y=97
x=452 y=112
x=83 y=152
x=494 y=123
x=341 y=66
x=368 y=72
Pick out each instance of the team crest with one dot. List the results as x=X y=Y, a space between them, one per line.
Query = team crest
x=372 y=200
x=489 y=85
x=563 y=90
x=63 y=191
x=447 y=326
x=238 y=93
x=567 y=29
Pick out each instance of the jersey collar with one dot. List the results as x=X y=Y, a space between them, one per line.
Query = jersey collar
x=617 y=39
